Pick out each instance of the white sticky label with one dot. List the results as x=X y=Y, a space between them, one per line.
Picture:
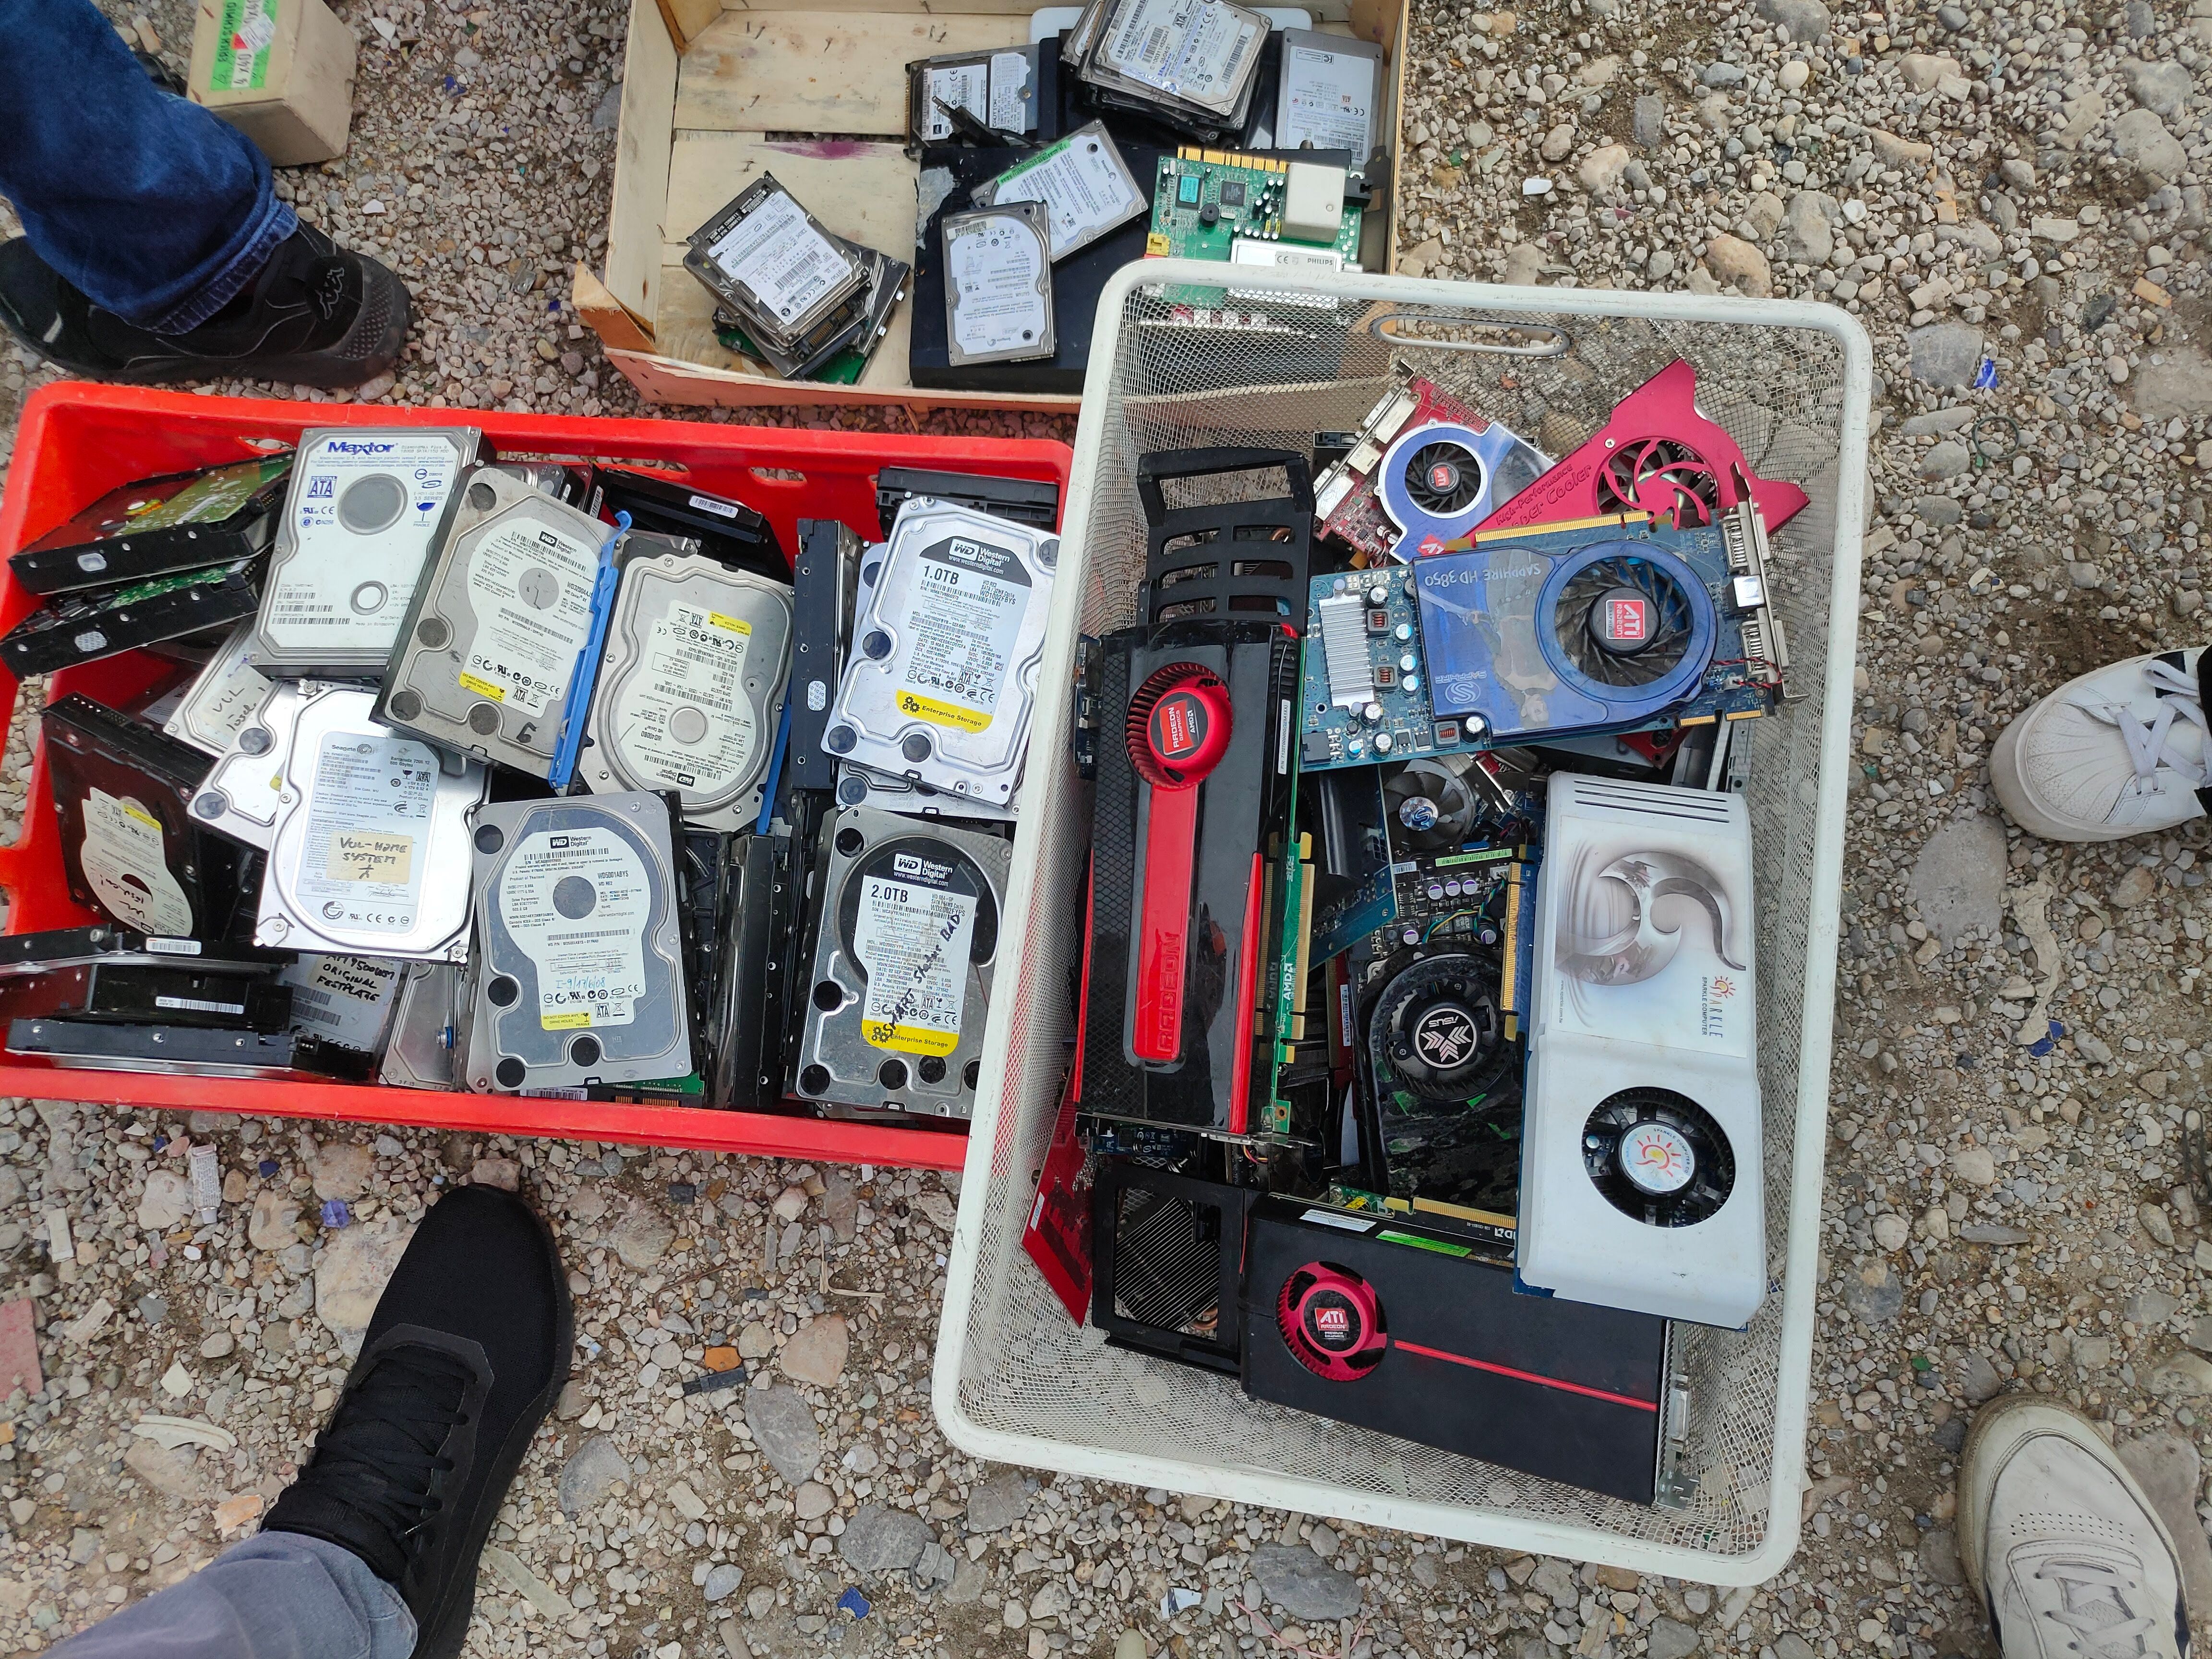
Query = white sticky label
x=124 y=865
x=343 y=999
x=363 y=513
x=964 y=85
x=720 y=510
x=173 y=947
x=913 y=940
x=1328 y=97
x=531 y=585
x=224 y=705
x=967 y=611
x=996 y=266
x=1010 y=79
x=368 y=812
x=1085 y=192
x=776 y=253
x=577 y=901
x=1195 y=49
x=683 y=719
x=199 y=1005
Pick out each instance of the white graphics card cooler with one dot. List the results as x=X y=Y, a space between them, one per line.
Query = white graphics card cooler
x=1640 y=1179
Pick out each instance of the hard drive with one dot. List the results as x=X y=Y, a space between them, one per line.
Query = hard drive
x=175 y=990
x=347 y=1000
x=580 y=964
x=863 y=786
x=902 y=963
x=421 y=1051
x=495 y=641
x=1027 y=501
x=821 y=587
x=690 y=686
x=179 y=521
x=941 y=680
x=93 y=1046
x=59 y=948
x=244 y=789
x=738 y=535
x=769 y=259
x=366 y=506
x=130 y=848
x=746 y=1068
x=85 y=627
x=997 y=284
x=222 y=697
x=369 y=855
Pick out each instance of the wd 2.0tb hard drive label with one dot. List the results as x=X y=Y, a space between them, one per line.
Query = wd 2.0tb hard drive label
x=371 y=809
x=913 y=935
x=531 y=587
x=695 y=661
x=126 y=865
x=577 y=902
x=967 y=611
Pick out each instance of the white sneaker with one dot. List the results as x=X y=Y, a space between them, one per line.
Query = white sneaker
x=2060 y=1543
x=2118 y=752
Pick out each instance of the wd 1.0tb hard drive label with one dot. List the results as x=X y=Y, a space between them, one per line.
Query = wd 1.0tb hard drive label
x=338 y=591
x=695 y=662
x=913 y=935
x=531 y=585
x=126 y=865
x=371 y=808
x=577 y=904
x=967 y=611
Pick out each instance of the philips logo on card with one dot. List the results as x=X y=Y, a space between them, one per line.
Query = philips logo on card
x=921 y=869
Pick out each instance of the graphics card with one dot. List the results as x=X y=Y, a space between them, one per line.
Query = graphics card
x=1656 y=455
x=1614 y=624
x=1640 y=1180
x=1424 y=468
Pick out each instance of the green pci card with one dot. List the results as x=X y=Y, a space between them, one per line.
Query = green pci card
x=1219 y=204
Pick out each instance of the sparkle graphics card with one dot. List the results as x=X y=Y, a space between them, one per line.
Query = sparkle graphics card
x=1640 y=1173
x=1658 y=455
x=1424 y=470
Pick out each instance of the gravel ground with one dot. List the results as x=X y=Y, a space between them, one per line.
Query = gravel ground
x=2006 y=191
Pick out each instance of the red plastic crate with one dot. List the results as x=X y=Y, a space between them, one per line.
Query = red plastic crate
x=77 y=441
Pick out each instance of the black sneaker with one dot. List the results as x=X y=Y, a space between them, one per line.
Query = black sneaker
x=317 y=315
x=467 y=1351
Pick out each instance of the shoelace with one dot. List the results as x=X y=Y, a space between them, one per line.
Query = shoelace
x=2146 y=742
x=2100 y=1618
x=381 y=1454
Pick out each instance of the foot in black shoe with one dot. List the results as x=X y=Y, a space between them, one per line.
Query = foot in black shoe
x=317 y=315
x=468 y=1348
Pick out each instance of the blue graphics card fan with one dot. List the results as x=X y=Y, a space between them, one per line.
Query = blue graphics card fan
x=1628 y=623
x=1438 y=482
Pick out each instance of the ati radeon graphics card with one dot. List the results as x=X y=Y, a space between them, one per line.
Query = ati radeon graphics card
x=1387 y=1324
x=1192 y=807
x=1640 y=1175
x=1617 y=623
x=1656 y=455
x=1424 y=470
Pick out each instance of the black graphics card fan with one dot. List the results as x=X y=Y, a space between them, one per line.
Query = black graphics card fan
x=1437 y=1032
x=1658 y=1156
x=1445 y=477
x=1433 y=804
x=1625 y=620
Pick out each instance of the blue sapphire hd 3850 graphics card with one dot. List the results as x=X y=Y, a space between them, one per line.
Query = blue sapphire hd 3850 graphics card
x=1611 y=624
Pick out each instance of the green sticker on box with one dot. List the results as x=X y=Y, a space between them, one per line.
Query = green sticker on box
x=242 y=50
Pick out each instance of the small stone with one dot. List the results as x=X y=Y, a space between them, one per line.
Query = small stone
x=998 y=1502
x=2133 y=888
x=2093 y=1354
x=2189 y=1375
x=2167 y=1467
x=755 y=1342
x=1939 y=1557
x=1975 y=1166
x=340 y=1169
x=501 y=1172
x=1993 y=1232
x=164 y=1201
x=1794 y=74
x=234 y=1513
x=813 y=1500
x=1524 y=265
x=1804 y=21
x=176 y=1381
x=2160 y=86
x=1647 y=121
x=1671 y=1640
x=1922 y=71
x=2149 y=1307
x=1809 y=227
x=1601 y=171
x=723 y=1580
x=877 y=1540
x=356 y=1265
x=590 y=1475
x=2141 y=138
x=1304 y=1585
x=1946 y=355
x=782 y=1426
x=172 y=1474
x=572 y=1402
x=641 y=1237
x=274 y=1221
x=1875 y=1293
x=688 y=1504
x=1946 y=460
x=1892 y=151
x=790 y=1204
x=816 y=1354
x=1979 y=1378
x=2156 y=1223
x=1892 y=1231
x=758 y=1602
x=218 y=1346
x=1723 y=75
x=1736 y=263
x=2178 y=388
x=841 y=1207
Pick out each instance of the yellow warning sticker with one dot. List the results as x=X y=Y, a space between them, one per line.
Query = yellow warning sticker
x=943 y=713
x=483 y=688
x=569 y=1022
x=908 y=1039
x=133 y=809
x=735 y=624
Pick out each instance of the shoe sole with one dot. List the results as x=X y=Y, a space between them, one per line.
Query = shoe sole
x=441 y=1637
x=2012 y=795
x=325 y=371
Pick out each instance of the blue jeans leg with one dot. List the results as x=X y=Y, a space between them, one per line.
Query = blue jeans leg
x=279 y=1595
x=146 y=204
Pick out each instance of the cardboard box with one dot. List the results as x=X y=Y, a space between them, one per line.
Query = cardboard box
x=705 y=84
x=281 y=72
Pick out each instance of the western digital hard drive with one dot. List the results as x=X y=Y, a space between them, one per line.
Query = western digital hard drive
x=421 y=1051
x=691 y=685
x=579 y=963
x=367 y=505
x=496 y=637
x=903 y=959
x=941 y=679
x=370 y=852
x=221 y=698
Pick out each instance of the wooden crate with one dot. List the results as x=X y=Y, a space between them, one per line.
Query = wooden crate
x=715 y=92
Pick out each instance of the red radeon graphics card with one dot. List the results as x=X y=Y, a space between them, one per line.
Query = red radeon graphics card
x=1656 y=455
x=1193 y=780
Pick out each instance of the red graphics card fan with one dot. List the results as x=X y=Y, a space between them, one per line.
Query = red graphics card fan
x=1656 y=455
x=1332 y=1321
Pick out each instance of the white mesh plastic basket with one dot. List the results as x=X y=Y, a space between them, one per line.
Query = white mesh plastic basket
x=1016 y=1380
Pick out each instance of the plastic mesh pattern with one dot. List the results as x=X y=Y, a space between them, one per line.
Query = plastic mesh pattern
x=1026 y=1371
